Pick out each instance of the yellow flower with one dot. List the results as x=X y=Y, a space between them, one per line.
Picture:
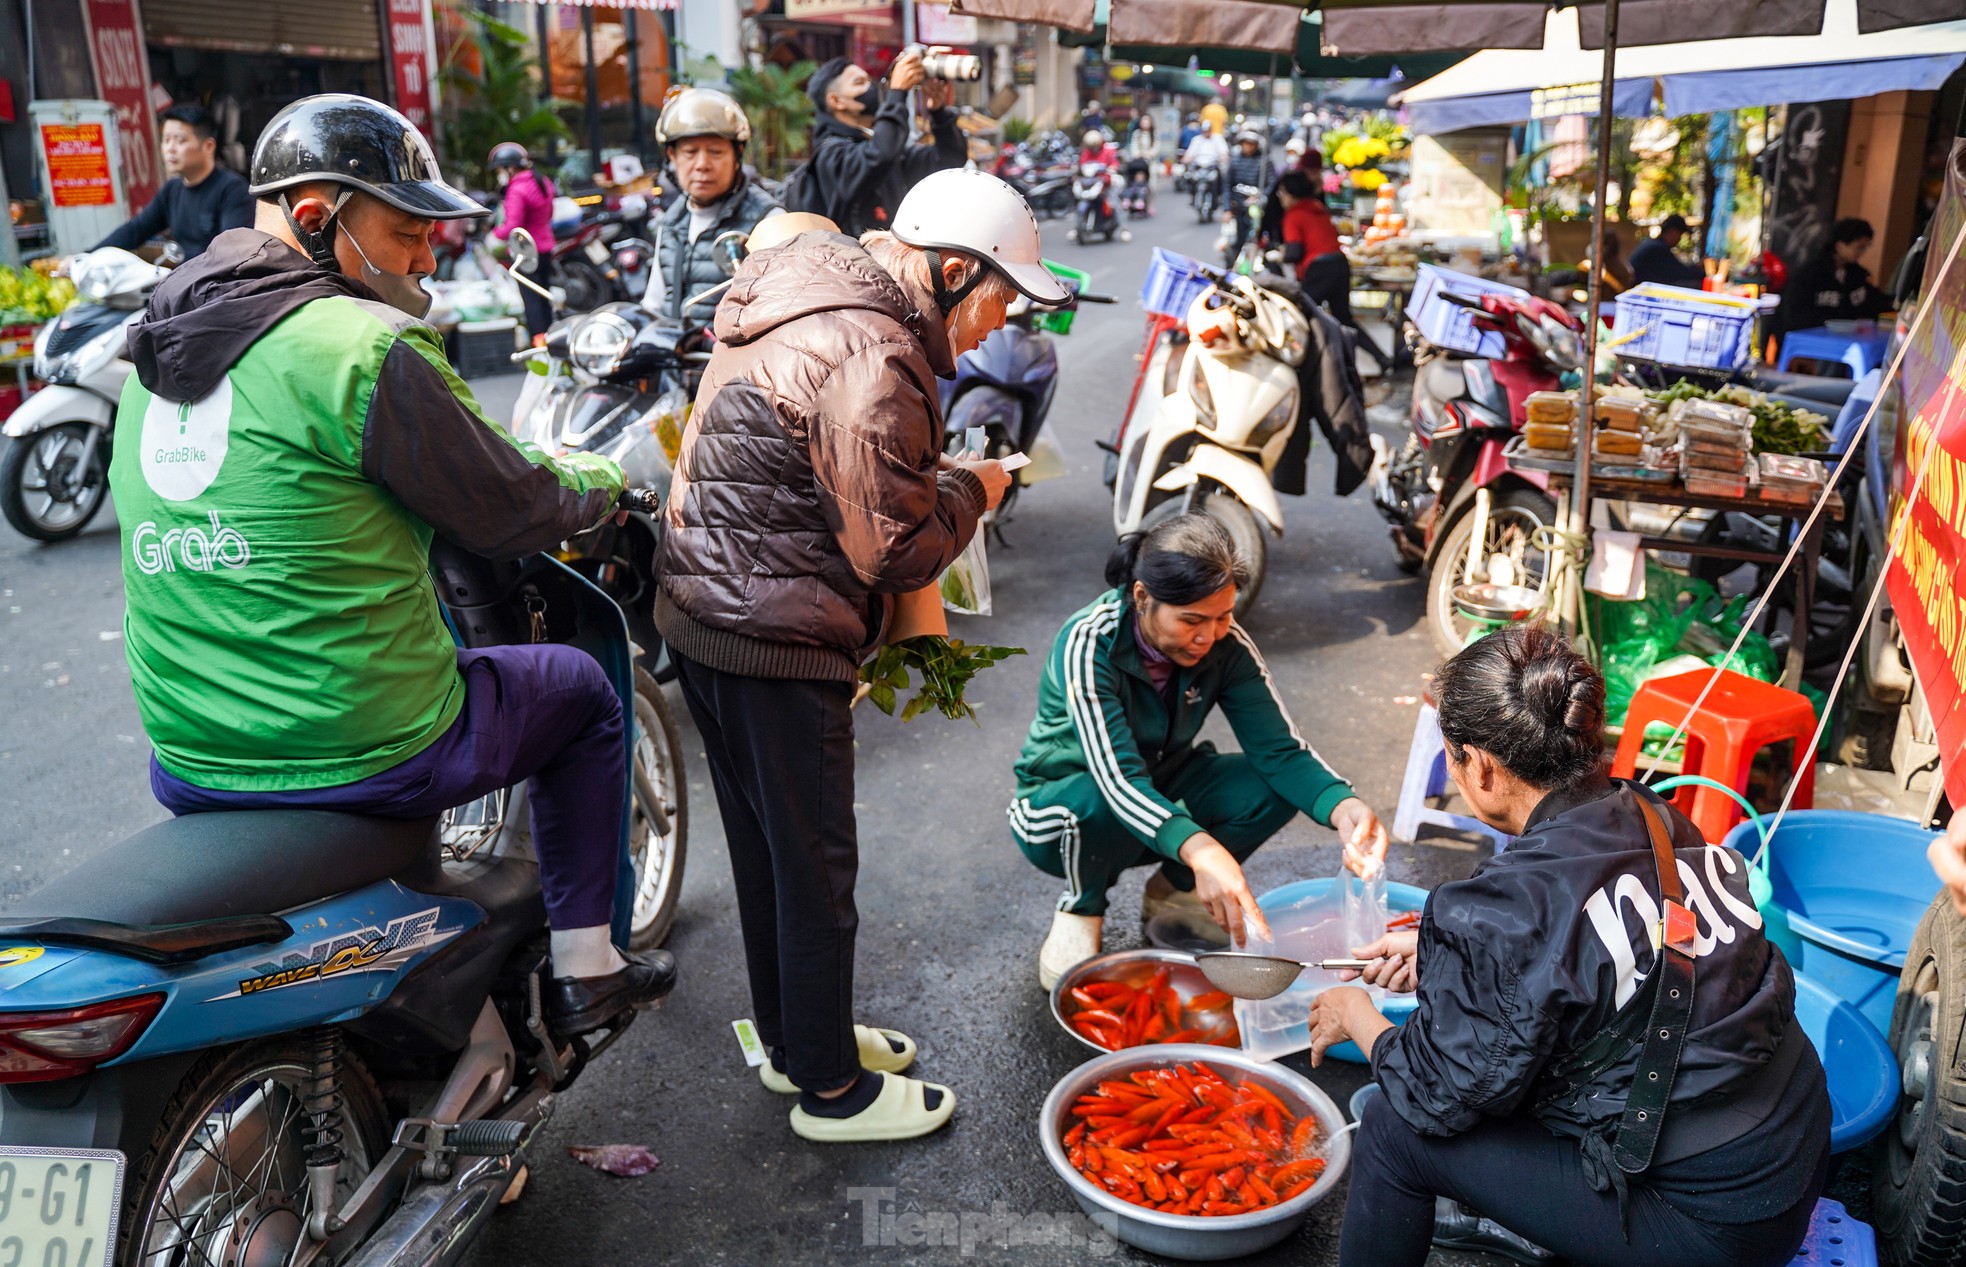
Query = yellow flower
x=1368 y=178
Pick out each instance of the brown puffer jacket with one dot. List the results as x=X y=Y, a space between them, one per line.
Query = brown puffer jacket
x=807 y=489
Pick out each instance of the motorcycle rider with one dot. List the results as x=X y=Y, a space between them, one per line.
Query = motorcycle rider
x=290 y=443
x=862 y=165
x=529 y=206
x=1205 y=158
x=1248 y=166
x=201 y=199
x=703 y=132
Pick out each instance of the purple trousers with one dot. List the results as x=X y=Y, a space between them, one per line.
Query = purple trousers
x=543 y=713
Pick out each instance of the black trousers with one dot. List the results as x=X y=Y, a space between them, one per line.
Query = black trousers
x=1515 y=1171
x=539 y=312
x=781 y=760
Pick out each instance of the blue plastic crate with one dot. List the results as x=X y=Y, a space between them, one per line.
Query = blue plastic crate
x=1451 y=326
x=1836 y=1239
x=1685 y=327
x=1173 y=284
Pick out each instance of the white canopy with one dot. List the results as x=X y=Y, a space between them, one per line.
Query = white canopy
x=1494 y=86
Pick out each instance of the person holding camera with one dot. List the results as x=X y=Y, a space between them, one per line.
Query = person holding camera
x=862 y=164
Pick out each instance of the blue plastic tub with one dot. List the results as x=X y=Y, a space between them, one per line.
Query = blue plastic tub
x=1863 y=1075
x=1173 y=284
x=1685 y=327
x=1451 y=326
x=1846 y=893
x=1394 y=1007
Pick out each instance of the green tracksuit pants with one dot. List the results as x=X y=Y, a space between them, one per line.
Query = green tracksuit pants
x=1067 y=829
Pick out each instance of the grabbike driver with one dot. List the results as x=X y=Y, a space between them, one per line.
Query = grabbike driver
x=291 y=441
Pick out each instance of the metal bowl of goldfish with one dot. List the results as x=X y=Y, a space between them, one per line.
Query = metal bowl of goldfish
x=1193 y=1152
x=1134 y=998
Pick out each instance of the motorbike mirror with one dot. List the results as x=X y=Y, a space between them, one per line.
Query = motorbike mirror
x=525 y=251
x=729 y=250
x=171 y=256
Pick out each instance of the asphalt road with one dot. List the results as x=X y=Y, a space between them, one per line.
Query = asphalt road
x=951 y=914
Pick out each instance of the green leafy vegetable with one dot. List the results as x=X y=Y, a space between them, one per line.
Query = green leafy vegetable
x=946 y=665
x=1778 y=428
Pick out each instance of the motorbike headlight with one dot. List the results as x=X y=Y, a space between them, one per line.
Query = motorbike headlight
x=1204 y=400
x=1275 y=421
x=1563 y=348
x=599 y=342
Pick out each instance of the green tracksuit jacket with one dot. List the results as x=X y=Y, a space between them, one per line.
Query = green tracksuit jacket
x=1100 y=716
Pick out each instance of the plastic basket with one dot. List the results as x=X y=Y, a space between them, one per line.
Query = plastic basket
x=1836 y=1238
x=1173 y=284
x=1450 y=326
x=1685 y=327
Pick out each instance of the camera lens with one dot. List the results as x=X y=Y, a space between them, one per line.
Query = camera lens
x=959 y=66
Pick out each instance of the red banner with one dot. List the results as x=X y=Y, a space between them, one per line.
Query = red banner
x=409 y=57
x=78 y=164
x=1927 y=577
x=123 y=80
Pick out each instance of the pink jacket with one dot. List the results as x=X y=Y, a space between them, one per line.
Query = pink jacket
x=529 y=206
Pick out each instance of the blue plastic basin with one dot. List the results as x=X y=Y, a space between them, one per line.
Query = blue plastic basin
x=1863 y=1075
x=1847 y=892
x=1399 y=897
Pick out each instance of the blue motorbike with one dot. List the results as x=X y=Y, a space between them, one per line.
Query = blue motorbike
x=294 y=1037
x=1004 y=386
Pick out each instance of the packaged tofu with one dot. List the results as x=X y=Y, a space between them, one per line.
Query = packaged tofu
x=1795 y=480
x=1554 y=407
x=1626 y=444
x=1547 y=436
x=1621 y=413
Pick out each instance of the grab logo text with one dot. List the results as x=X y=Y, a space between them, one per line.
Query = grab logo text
x=188 y=549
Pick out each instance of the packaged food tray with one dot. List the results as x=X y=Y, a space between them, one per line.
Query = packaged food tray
x=1686 y=327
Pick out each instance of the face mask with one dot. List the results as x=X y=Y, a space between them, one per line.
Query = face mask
x=870 y=100
x=402 y=291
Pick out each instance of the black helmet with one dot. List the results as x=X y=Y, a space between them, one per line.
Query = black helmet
x=508 y=154
x=361 y=144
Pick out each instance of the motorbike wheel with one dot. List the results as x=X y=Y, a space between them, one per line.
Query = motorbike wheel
x=1918 y=1178
x=585 y=288
x=34 y=476
x=1251 y=538
x=1513 y=518
x=224 y=1178
x=658 y=858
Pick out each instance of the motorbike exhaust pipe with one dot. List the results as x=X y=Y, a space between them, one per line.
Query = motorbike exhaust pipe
x=435 y=1226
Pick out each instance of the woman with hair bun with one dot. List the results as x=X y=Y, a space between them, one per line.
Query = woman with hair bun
x=1111 y=775
x=1568 y=1081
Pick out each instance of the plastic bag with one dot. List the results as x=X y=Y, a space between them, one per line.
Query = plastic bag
x=966 y=583
x=1680 y=624
x=1328 y=924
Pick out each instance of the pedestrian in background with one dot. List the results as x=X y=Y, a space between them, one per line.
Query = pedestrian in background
x=702 y=133
x=529 y=206
x=862 y=162
x=811 y=491
x=1657 y=260
x=201 y=199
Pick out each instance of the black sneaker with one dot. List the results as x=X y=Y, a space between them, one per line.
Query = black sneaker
x=579 y=1005
x=1458 y=1227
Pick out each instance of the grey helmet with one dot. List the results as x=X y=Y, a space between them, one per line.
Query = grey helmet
x=702 y=112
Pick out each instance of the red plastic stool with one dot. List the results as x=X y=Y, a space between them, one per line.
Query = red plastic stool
x=1740 y=717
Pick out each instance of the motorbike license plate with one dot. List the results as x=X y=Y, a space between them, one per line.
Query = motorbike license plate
x=597 y=252
x=58 y=1206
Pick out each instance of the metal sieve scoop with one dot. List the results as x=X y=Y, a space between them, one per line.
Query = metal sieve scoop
x=1251 y=976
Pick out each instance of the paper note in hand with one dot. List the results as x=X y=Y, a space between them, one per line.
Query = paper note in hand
x=1016 y=461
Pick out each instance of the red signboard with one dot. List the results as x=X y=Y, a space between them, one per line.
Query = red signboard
x=1927 y=578
x=409 y=57
x=123 y=80
x=78 y=164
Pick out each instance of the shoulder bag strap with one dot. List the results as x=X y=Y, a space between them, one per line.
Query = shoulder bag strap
x=1672 y=1010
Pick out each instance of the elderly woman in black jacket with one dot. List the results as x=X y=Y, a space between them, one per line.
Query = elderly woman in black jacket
x=1612 y=1098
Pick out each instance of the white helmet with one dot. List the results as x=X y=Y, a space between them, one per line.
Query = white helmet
x=977 y=214
x=1095 y=139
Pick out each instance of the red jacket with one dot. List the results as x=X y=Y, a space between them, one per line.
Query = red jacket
x=1308 y=222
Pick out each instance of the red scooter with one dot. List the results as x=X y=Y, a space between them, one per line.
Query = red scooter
x=1465 y=409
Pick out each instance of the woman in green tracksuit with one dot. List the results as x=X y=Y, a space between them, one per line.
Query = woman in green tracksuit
x=1111 y=776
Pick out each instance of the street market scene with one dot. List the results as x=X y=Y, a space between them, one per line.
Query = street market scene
x=1014 y=631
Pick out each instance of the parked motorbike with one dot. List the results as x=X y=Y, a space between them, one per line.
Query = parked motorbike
x=297 y=1036
x=55 y=474
x=581 y=261
x=1227 y=405
x=1450 y=479
x=631 y=262
x=1004 y=386
x=1096 y=217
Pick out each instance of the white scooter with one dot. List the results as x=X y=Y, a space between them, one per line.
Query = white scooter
x=1211 y=442
x=55 y=474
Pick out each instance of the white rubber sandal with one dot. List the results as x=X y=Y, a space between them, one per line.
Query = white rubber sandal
x=876 y=1053
x=900 y=1112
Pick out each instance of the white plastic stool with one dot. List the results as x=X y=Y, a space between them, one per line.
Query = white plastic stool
x=1426 y=778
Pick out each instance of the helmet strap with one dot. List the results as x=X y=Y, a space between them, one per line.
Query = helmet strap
x=947 y=299
x=319 y=246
